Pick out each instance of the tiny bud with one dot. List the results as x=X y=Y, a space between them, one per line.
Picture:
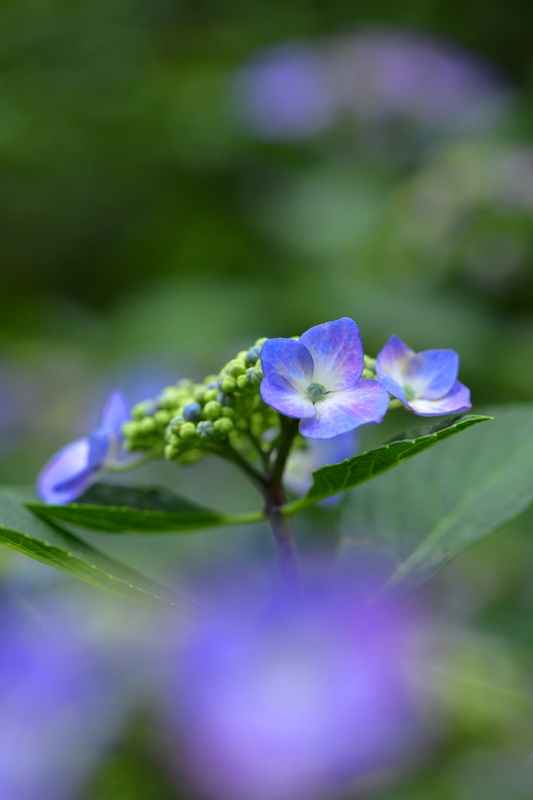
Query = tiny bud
x=223 y=425
x=169 y=397
x=228 y=384
x=225 y=399
x=147 y=425
x=260 y=342
x=236 y=367
x=242 y=382
x=212 y=409
x=162 y=417
x=187 y=430
x=129 y=429
x=210 y=394
x=192 y=412
x=228 y=411
x=253 y=354
x=252 y=377
x=170 y=452
x=144 y=409
x=199 y=393
x=205 y=429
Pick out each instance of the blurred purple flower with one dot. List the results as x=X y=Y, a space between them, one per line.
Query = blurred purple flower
x=285 y=94
x=302 y=462
x=300 y=90
x=318 y=380
x=72 y=470
x=56 y=707
x=293 y=701
x=425 y=382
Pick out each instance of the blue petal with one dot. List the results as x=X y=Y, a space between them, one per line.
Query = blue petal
x=345 y=410
x=288 y=359
x=67 y=475
x=281 y=395
x=391 y=386
x=115 y=413
x=337 y=353
x=456 y=401
x=298 y=475
x=432 y=373
x=391 y=363
x=100 y=445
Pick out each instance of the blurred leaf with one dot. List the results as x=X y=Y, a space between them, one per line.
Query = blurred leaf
x=23 y=531
x=335 y=478
x=129 y=509
x=436 y=506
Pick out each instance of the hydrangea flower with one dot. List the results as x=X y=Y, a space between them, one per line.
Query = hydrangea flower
x=317 y=379
x=72 y=470
x=425 y=382
x=58 y=705
x=289 y=700
x=301 y=464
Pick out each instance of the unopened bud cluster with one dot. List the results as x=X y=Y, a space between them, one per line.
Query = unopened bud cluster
x=190 y=419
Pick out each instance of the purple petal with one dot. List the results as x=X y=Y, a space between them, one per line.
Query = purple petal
x=345 y=410
x=457 y=400
x=392 y=387
x=281 y=395
x=67 y=474
x=287 y=358
x=432 y=373
x=100 y=444
x=391 y=363
x=337 y=353
x=115 y=413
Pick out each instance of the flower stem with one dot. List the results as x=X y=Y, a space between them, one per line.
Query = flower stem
x=275 y=500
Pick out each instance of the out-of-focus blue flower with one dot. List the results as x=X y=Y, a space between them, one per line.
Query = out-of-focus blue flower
x=286 y=93
x=72 y=470
x=318 y=380
x=56 y=707
x=425 y=382
x=291 y=700
x=302 y=462
x=300 y=90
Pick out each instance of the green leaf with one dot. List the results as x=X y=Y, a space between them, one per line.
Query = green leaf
x=336 y=478
x=126 y=509
x=23 y=531
x=433 y=508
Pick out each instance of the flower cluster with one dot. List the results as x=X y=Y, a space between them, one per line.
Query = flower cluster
x=323 y=379
x=289 y=698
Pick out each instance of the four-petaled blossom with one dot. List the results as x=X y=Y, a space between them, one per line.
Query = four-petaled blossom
x=72 y=470
x=425 y=382
x=317 y=379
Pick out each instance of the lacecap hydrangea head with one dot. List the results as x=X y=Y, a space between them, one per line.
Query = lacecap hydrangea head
x=77 y=465
x=318 y=380
x=425 y=382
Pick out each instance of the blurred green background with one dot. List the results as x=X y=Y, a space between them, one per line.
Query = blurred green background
x=180 y=178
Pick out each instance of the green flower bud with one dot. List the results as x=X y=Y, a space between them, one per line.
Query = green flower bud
x=223 y=425
x=236 y=367
x=129 y=429
x=170 y=452
x=169 y=397
x=191 y=456
x=242 y=382
x=144 y=409
x=187 y=430
x=260 y=342
x=212 y=409
x=199 y=393
x=163 y=417
x=205 y=430
x=253 y=377
x=228 y=384
x=147 y=425
x=210 y=394
x=228 y=412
